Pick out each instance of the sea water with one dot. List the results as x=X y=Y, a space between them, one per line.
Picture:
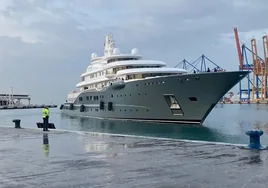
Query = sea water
x=226 y=123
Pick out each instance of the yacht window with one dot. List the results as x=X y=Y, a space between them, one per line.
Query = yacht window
x=193 y=98
x=121 y=59
x=137 y=76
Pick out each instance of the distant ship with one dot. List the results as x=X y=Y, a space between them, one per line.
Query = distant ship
x=127 y=87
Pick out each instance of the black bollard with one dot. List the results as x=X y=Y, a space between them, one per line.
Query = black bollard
x=17 y=123
x=254 y=137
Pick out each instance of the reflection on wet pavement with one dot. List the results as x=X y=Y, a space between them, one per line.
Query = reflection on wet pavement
x=31 y=158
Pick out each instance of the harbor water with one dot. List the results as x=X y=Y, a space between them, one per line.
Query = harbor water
x=226 y=123
x=81 y=158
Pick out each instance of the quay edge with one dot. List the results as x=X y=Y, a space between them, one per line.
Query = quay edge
x=27 y=107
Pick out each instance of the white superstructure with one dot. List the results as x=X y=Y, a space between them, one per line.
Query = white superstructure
x=115 y=65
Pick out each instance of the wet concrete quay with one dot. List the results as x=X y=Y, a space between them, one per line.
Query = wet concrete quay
x=31 y=158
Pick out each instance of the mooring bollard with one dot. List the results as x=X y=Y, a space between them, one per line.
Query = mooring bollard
x=254 y=142
x=17 y=123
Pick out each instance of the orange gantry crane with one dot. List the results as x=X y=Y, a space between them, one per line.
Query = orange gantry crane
x=259 y=72
x=265 y=49
x=258 y=84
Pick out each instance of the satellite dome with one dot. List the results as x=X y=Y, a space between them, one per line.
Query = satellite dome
x=94 y=55
x=134 y=51
x=116 y=51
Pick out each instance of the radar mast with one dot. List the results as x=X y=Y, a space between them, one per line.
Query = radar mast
x=109 y=45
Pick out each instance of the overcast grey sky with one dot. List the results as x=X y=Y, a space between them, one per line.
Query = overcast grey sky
x=45 y=45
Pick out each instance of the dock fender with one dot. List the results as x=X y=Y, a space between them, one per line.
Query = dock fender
x=101 y=105
x=82 y=108
x=61 y=107
x=71 y=106
x=110 y=106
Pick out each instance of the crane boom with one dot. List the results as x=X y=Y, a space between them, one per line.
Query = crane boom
x=240 y=57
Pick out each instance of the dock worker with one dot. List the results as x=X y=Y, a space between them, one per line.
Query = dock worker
x=45 y=115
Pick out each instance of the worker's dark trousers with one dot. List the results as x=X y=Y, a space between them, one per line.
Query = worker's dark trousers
x=45 y=124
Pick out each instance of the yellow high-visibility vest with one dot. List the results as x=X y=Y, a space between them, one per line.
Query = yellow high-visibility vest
x=45 y=113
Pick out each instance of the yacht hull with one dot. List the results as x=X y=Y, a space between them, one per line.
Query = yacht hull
x=150 y=99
